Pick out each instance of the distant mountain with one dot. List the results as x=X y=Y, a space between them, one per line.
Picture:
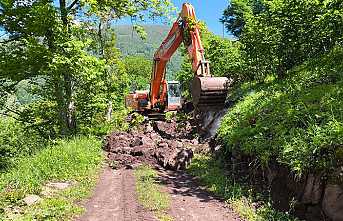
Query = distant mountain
x=131 y=44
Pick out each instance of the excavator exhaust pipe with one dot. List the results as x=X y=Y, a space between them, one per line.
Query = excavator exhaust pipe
x=209 y=92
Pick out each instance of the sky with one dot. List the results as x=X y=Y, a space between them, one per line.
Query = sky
x=208 y=11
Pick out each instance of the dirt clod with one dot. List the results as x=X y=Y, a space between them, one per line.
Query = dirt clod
x=165 y=143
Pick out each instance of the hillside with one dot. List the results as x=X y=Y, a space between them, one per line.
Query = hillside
x=131 y=44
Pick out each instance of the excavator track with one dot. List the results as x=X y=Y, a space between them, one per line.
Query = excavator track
x=157 y=116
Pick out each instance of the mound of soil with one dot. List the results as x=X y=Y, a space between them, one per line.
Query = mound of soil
x=168 y=144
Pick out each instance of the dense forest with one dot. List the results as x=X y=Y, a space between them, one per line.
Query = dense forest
x=131 y=44
x=65 y=67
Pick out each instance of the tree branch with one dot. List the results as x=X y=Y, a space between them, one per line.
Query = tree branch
x=72 y=5
x=11 y=111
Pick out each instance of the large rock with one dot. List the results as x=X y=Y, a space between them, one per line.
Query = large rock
x=31 y=199
x=313 y=190
x=333 y=202
x=174 y=159
x=59 y=185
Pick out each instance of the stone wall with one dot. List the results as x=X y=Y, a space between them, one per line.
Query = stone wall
x=313 y=196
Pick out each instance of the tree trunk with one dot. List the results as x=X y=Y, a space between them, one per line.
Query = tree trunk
x=62 y=118
x=109 y=112
x=69 y=109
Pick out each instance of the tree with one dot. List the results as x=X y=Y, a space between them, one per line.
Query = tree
x=49 y=41
x=225 y=56
x=139 y=70
x=235 y=15
x=279 y=35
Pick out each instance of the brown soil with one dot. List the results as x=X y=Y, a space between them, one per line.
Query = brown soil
x=114 y=199
x=190 y=202
x=165 y=146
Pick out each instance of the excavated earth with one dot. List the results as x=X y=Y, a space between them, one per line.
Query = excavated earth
x=168 y=144
x=168 y=147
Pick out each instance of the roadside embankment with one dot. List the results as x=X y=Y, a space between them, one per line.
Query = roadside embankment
x=288 y=134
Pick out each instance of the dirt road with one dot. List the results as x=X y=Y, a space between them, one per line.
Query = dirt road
x=190 y=202
x=163 y=145
x=114 y=199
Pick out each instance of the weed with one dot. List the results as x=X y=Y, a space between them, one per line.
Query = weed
x=211 y=174
x=297 y=120
x=150 y=194
x=76 y=160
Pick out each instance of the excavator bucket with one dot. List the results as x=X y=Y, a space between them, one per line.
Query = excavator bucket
x=209 y=92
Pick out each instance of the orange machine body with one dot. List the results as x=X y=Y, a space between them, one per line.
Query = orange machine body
x=206 y=90
x=168 y=47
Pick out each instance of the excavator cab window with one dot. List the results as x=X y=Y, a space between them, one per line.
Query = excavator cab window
x=174 y=90
x=174 y=95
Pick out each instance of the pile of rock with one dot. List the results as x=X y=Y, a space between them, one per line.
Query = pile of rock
x=160 y=143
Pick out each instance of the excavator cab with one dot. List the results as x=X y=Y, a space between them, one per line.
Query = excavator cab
x=173 y=95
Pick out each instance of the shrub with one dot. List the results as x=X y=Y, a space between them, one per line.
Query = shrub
x=16 y=141
x=101 y=127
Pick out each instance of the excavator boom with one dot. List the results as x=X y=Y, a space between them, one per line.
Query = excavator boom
x=206 y=90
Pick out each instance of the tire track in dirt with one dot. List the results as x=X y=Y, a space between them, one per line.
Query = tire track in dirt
x=190 y=202
x=163 y=146
x=114 y=199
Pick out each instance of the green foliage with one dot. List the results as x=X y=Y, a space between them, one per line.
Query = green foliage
x=290 y=31
x=16 y=141
x=139 y=70
x=185 y=76
x=234 y=16
x=170 y=116
x=52 y=164
x=71 y=50
x=131 y=45
x=136 y=120
x=226 y=59
x=101 y=127
x=240 y=197
x=51 y=209
x=297 y=121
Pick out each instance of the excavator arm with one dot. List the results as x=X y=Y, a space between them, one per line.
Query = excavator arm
x=158 y=85
x=206 y=90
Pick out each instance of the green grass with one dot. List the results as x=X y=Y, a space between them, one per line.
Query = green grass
x=77 y=160
x=238 y=196
x=297 y=120
x=150 y=194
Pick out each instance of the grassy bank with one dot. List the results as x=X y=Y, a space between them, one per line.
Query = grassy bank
x=242 y=199
x=150 y=194
x=296 y=121
x=75 y=161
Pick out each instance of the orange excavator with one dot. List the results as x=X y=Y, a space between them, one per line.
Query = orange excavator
x=207 y=91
